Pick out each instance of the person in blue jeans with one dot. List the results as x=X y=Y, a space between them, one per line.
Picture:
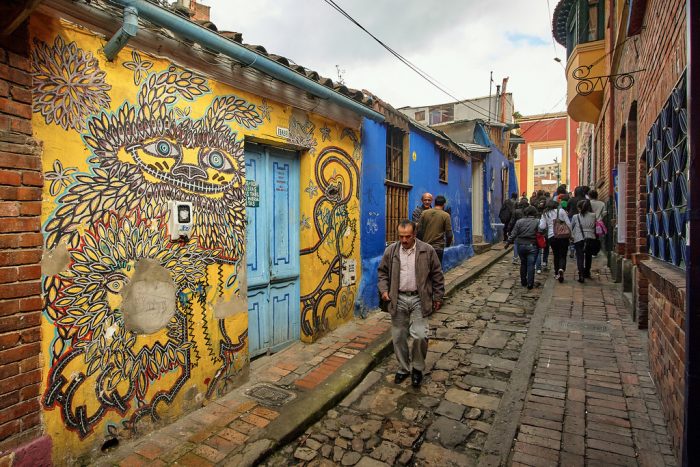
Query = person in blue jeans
x=523 y=235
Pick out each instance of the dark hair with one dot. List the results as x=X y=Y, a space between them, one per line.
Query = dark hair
x=561 y=190
x=584 y=206
x=551 y=204
x=440 y=200
x=523 y=203
x=405 y=223
x=547 y=194
x=514 y=195
x=530 y=211
x=593 y=194
x=586 y=189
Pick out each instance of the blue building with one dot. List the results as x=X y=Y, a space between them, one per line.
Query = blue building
x=402 y=159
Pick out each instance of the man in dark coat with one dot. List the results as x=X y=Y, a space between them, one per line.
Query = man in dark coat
x=411 y=280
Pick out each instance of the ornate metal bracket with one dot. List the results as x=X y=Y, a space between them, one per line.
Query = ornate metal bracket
x=587 y=84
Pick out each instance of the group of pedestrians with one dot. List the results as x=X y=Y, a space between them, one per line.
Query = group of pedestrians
x=561 y=222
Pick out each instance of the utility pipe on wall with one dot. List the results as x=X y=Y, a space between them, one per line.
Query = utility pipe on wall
x=213 y=41
x=122 y=36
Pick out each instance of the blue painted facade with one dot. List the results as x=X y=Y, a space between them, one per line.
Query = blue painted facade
x=494 y=164
x=423 y=172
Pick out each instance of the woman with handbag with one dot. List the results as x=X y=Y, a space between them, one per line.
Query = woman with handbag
x=556 y=221
x=523 y=235
x=583 y=232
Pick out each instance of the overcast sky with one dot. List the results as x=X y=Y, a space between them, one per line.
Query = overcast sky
x=458 y=42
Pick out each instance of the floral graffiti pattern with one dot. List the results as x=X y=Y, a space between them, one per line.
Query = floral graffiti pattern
x=69 y=86
x=113 y=216
x=139 y=66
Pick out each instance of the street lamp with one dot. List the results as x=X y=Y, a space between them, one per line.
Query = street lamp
x=558 y=172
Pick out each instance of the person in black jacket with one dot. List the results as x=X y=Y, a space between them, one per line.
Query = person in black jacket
x=519 y=213
x=523 y=235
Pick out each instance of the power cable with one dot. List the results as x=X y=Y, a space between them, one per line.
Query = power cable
x=409 y=64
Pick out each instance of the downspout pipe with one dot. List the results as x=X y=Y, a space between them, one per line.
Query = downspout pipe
x=128 y=30
x=213 y=41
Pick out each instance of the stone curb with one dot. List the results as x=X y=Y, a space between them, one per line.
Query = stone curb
x=499 y=442
x=309 y=407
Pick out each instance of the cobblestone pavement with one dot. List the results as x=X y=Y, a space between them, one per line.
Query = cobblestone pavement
x=511 y=381
x=475 y=343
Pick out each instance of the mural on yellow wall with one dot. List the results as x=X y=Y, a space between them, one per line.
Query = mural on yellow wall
x=134 y=313
x=137 y=324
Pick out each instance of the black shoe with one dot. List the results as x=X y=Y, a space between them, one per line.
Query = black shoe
x=587 y=275
x=529 y=287
x=416 y=378
x=400 y=377
x=580 y=278
x=523 y=283
x=560 y=275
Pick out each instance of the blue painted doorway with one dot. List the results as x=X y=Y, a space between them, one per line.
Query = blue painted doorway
x=272 y=249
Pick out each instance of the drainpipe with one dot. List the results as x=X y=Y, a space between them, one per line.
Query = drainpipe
x=128 y=30
x=211 y=40
x=691 y=400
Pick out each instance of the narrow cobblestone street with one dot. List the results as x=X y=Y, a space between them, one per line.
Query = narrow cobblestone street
x=490 y=397
x=476 y=341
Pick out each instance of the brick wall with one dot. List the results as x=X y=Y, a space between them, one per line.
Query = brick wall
x=667 y=340
x=20 y=249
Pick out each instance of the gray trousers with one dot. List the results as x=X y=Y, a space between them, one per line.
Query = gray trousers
x=409 y=320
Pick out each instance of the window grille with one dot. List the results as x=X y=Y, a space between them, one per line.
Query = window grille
x=396 y=208
x=667 y=180
x=396 y=189
x=442 y=176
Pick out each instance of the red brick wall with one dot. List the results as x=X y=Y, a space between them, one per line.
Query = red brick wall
x=667 y=340
x=20 y=249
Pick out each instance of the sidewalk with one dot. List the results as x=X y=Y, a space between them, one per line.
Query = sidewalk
x=591 y=400
x=284 y=394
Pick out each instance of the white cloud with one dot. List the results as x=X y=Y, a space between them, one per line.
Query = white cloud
x=458 y=42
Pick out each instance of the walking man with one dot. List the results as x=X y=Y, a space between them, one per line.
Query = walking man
x=411 y=280
x=426 y=203
x=435 y=227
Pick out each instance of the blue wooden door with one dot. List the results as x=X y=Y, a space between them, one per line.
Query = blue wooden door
x=273 y=249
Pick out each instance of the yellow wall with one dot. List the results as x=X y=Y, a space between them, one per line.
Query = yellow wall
x=120 y=139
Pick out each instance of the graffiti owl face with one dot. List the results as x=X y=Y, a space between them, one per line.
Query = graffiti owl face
x=204 y=170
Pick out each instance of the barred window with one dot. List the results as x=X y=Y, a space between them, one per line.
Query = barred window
x=442 y=175
x=396 y=188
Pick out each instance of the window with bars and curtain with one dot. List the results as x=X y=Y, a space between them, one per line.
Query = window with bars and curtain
x=396 y=187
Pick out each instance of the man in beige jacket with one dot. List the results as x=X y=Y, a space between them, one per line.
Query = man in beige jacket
x=411 y=280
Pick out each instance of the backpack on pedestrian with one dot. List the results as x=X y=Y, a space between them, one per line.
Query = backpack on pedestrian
x=506 y=212
x=561 y=230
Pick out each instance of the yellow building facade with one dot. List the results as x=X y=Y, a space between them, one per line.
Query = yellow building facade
x=139 y=327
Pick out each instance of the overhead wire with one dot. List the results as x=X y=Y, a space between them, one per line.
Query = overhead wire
x=423 y=74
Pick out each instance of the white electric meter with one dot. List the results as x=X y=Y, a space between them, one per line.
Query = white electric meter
x=181 y=220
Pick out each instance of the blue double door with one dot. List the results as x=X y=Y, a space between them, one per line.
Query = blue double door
x=273 y=249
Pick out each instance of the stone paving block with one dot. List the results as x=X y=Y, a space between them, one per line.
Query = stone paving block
x=490 y=383
x=450 y=410
x=493 y=339
x=440 y=346
x=432 y=454
x=610 y=458
x=494 y=362
x=450 y=433
x=534 y=450
x=471 y=399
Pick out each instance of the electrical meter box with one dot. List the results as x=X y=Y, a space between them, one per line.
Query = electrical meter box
x=181 y=219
